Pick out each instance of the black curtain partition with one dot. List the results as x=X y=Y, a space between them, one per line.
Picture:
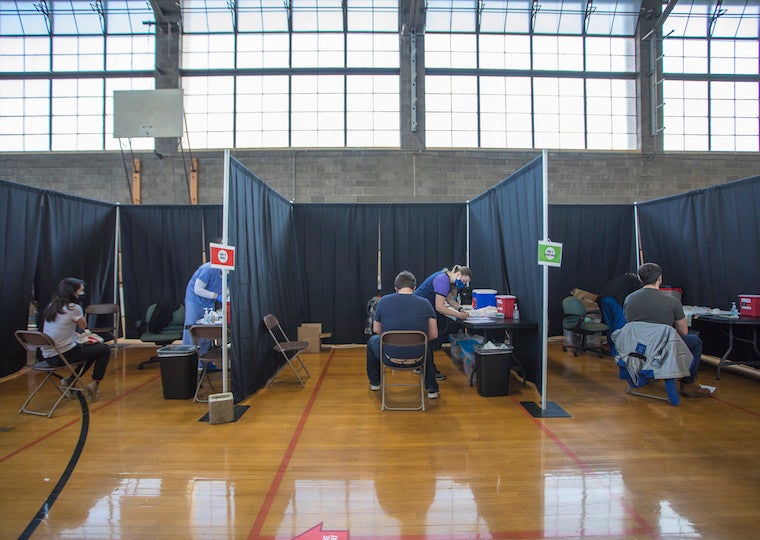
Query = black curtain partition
x=487 y=259
x=421 y=238
x=599 y=243
x=20 y=234
x=161 y=245
x=339 y=245
x=212 y=223
x=268 y=277
x=77 y=241
x=506 y=224
x=706 y=241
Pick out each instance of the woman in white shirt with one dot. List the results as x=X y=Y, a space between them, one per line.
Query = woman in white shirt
x=62 y=316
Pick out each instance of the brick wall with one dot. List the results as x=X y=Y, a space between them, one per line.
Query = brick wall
x=363 y=176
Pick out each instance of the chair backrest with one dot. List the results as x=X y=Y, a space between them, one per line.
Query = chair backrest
x=32 y=339
x=408 y=347
x=101 y=309
x=178 y=317
x=574 y=312
x=203 y=331
x=275 y=330
x=104 y=309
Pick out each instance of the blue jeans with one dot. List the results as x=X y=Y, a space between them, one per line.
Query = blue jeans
x=373 y=365
x=694 y=343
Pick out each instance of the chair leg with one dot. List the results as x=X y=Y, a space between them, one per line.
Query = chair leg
x=151 y=360
x=48 y=413
x=201 y=378
x=383 y=384
x=297 y=371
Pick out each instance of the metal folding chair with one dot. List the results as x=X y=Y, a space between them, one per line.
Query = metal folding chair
x=290 y=350
x=107 y=332
x=406 y=343
x=31 y=340
x=214 y=355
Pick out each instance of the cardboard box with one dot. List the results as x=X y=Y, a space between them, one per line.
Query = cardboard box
x=749 y=305
x=312 y=333
x=588 y=299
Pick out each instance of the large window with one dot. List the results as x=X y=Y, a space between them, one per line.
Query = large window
x=61 y=61
x=711 y=82
x=329 y=74
x=304 y=73
x=531 y=78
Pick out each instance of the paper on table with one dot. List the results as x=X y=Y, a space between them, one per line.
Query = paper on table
x=479 y=320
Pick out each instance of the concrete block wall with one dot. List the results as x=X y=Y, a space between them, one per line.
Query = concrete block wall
x=379 y=176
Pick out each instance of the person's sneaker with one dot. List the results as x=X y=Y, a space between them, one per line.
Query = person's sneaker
x=433 y=395
x=694 y=390
x=440 y=376
x=65 y=382
x=374 y=387
x=418 y=371
x=93 y=390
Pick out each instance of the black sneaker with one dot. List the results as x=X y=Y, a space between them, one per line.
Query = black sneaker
x=440 y=376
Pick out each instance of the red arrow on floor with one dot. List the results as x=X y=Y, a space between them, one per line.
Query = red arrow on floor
x=316 y=533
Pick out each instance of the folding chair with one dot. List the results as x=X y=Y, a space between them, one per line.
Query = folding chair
x=406 y=344
x=214 y=355
x=645 y=377
x=290 y=350
x=107 y=332
x=31 y=340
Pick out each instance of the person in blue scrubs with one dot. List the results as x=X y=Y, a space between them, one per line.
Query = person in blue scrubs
x=203 y=290
x=441 y=289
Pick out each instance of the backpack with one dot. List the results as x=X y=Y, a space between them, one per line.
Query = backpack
x=161 y=316
x=371 y=306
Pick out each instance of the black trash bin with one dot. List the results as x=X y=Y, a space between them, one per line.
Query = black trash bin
x=179 y=371
x=492 y=367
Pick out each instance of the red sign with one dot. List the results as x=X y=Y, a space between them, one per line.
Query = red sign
x=222 y=256
x=317 y=533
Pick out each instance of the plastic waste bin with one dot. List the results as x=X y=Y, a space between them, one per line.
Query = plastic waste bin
x=492 y=370
x=179 y=370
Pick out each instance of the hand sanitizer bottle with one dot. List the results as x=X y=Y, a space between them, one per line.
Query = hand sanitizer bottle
x=734 y=314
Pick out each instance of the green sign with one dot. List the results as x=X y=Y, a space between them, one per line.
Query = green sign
x=549 y=253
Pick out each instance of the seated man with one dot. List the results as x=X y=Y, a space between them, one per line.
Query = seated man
x=648 y=304
x=402 y=310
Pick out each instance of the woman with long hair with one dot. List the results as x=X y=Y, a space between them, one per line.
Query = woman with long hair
x=611 y=299
x=61 y=319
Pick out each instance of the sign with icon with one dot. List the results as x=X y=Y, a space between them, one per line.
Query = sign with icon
x=549 y=253
x=222 y=256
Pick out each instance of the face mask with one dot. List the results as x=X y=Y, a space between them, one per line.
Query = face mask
x=459 y=284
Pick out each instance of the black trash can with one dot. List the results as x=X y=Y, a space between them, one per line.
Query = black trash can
x=179 y=371
x=492 y=370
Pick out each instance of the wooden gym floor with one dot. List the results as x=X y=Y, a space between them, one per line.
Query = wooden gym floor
x=324 y=462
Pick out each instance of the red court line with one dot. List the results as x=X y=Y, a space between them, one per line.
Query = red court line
x=72 y=422
x=724 y=402
x=645 y=527
x=275 y=485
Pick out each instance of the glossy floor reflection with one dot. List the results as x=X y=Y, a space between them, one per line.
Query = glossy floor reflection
x=325 y=462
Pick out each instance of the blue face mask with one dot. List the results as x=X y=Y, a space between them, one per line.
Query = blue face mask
x=458 y=284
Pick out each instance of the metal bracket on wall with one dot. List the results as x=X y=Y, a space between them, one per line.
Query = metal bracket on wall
x=135 y=181
x=413 y=75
